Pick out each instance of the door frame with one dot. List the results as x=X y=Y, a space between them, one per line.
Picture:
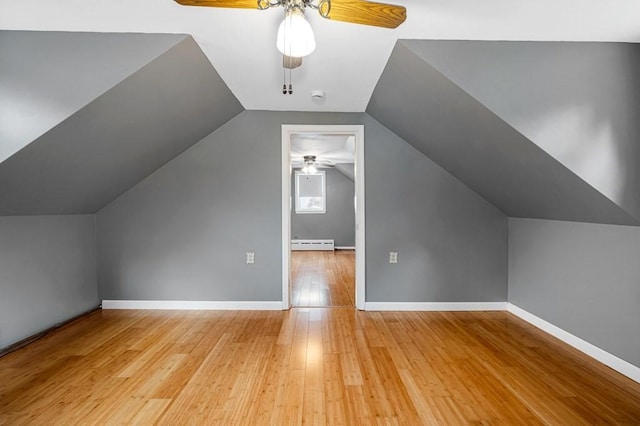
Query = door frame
x=358 y=131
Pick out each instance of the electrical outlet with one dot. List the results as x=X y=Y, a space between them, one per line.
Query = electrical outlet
x=251 y=257
x=393 y=257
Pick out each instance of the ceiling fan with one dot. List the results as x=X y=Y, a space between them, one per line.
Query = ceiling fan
x=311 y=163
x=295 y=37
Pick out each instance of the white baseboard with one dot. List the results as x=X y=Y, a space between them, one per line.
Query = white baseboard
x=435 y=306
x=312 y=245
x=345 y=248
x=620 y=365
x=192 y=305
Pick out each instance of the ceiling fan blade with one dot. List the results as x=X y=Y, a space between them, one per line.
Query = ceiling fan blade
x=367 y=13
x=240 y=4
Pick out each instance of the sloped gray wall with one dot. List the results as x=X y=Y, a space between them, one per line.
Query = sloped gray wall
x=580 y=277
x=119 y=138
x=47 y=273
x=339 y=221
x=182 y=233
x=46 y=76
x=458 y=132
x=451 y=243
x=578 y=101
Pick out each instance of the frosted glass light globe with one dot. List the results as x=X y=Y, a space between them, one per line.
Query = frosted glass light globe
x=295 y=35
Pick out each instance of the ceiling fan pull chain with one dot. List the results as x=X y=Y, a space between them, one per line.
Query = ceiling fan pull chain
x=284 y=69
x=290 y=86
x=284 y=81
x=286 y=65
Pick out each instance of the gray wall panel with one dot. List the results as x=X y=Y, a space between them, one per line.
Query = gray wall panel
x=451 y=243
x=182 y=233
x=339 y=221
x=578 y=101
x=347 y=169
x=47 y=272
x=119 y=138
x=462 y=135
x=580 y=277
x=46 y=76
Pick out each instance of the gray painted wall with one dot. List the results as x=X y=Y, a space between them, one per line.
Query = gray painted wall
x=580 y=277
x=339 y=221
x=458 y=132
x=182 y=233
x=347 y=169
x=451 y=243
x=578 y=101
x=47 y=272
x=119 y=138
x=47 y=76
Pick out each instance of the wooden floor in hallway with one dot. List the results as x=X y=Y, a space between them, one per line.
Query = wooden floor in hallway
x=323 y=278
x=335 y=366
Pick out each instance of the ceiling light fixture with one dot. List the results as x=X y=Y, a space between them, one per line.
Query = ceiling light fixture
x=295 y=36
x=310 y=165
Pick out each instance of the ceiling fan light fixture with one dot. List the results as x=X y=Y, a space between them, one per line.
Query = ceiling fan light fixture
x=310 y=165
x=309 y=170
x=295 y=35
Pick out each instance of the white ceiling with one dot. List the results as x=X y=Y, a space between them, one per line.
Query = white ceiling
x=332 y=149
x=349 y=58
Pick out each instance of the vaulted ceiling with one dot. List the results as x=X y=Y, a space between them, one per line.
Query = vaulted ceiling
x=543 y=130
x=539 y=129
x=100 y=112
x=46 y=77
x=349 y=58
x=578 y=102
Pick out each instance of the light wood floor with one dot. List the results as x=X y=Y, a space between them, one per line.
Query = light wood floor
x=323 y=278
x=317 y=366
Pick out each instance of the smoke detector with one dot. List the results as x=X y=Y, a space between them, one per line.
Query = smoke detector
x=317 y=96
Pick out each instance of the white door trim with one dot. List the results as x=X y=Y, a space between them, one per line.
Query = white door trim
x=358 y=131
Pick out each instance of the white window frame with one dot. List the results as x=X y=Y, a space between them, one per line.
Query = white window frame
x=301 y=210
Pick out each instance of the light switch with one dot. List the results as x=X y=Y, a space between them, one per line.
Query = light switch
x=393 y=257
x=251 y=257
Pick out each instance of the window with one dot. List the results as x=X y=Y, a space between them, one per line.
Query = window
x=310 y=193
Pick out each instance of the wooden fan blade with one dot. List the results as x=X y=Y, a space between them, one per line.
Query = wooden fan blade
x=367 y=13
x=240 y=4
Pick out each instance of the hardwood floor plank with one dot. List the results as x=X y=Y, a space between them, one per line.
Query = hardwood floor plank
x=271 y=386
x=151 y=411
x=323 y=278
x=334 y=389
x=308 y=366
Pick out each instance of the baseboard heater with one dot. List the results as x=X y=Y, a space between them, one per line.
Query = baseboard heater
x=312 y=245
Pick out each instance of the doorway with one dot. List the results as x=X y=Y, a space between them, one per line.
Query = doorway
x=315 y=274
